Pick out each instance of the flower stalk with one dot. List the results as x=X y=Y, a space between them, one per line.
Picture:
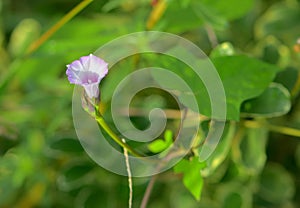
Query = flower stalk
x=117 y=139
x=88 y=72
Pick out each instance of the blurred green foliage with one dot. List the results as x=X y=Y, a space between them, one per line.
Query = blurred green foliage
x=252 y=43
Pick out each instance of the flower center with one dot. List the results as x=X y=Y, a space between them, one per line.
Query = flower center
x=89 y=77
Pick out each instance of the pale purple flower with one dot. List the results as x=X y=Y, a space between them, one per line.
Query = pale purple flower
x=88 y=71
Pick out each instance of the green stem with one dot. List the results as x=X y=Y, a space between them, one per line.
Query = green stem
x=117 y=139
x=35 y=45
x=284 y=130
x=212 y=37
x=279 y=129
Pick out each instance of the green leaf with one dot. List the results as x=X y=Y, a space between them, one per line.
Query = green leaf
x=276 y=184
x=273 y=51
x=222 y=150
x=241 y=80
x=187 y=20
x=209 y=15
x=194 y=13
x=192 y=178
x=77 y=172
x=280 y=20
x=67 y=145
x=288 y=78
x=160 y=145
x=230 y=9
x=274 y=101
x=110 y=5
x=94 y=196
x=234 y=194
x=23 y=35
x=250 y=152
x=75 y=175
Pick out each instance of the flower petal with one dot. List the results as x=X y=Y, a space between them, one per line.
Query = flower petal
x=87 y=72
x=73 y=72
x=85 y=62
x=92 y=90
x=76 y=65
x=98 y=65
x=88 y=77
x=94 y=64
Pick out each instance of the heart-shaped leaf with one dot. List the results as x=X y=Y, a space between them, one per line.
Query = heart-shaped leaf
x=192 y=178
x=274 y=101
x=242 y=77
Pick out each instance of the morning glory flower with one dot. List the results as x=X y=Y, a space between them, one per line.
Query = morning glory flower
x=88 y=71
